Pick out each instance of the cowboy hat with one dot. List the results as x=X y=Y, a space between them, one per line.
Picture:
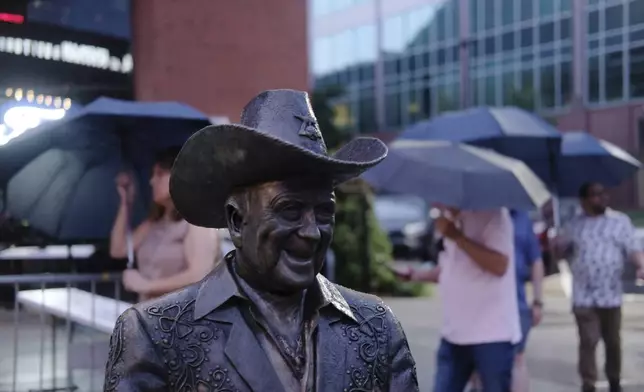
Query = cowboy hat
x=278 y=138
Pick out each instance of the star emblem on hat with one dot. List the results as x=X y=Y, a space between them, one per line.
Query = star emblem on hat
x=309 y=128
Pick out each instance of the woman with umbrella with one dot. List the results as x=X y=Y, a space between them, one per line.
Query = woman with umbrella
x=170 y=252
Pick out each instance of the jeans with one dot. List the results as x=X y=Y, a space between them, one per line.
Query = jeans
x=594 y=324
x=492 y=361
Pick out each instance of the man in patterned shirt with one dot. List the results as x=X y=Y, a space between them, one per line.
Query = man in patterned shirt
x=598 y=243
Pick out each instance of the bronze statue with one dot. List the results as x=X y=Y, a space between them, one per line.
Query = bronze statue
x=264 y=320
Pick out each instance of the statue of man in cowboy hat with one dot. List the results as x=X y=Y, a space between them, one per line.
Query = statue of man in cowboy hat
x=264 y=320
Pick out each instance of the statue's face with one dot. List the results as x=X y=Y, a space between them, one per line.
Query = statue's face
x=282 y=231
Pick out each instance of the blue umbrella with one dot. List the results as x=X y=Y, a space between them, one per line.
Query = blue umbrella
x=585 y=158
x=60 y=176
x=457 y=175
x=508 y=130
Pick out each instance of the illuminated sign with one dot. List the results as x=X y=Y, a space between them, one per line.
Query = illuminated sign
x=19 y=119
x=12 y=18
x=67 y=52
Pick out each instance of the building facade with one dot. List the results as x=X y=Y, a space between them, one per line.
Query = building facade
x=578 y=62
x=220 y=57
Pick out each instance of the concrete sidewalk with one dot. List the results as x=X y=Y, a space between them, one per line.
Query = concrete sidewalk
x=552 y=348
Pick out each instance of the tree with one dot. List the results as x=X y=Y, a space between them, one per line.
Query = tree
x=362 y=249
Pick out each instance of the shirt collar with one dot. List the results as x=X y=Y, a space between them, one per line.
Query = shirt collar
x=220 y=287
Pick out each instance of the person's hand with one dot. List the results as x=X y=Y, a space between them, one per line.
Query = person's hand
x=403 y=273
x=135 y=282
x=447 y=228
x=125 y=187
x=537 y=314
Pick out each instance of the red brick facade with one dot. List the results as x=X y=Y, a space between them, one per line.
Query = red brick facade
x=216 y=55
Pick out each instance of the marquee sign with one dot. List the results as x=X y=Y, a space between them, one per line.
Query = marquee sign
x=67 y=52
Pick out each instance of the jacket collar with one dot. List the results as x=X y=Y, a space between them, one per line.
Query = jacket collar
x=220 y=287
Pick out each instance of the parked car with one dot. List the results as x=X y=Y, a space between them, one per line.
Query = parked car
x=406 y=220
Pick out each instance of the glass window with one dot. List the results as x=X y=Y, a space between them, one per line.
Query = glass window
x=441 y=19
x=490 y=90
x=636 y=12
x=489 y=45
x=547 y=33
x=509 y=88
x=614 y=17
x=613 y=85
x=392 y=109
x=565 y=5
x=526 y=9
x=637 y=72
x=593 y=22
x=366 y=47
x=593 y=79
x=456 y=21
x=489 y=10
x=344 y=50
x=322 y=56
x=564 y=28
x=526 y=37
x=474 y=16
x=548 y=86
x=507 y=41
x=546 y=7
x=393 y=40
x=566 y=83
x=366 y=112
x=507 y=12
x=417 y=29
x=527 y=80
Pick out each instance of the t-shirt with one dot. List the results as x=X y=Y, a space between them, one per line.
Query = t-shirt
x=602 y=245
x=479 y=307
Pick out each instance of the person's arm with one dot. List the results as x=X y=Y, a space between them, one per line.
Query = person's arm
x=485 y=257
x=629 y=243
x=118 y=237
x=201 y=247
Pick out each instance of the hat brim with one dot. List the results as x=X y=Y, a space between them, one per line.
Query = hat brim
x=220 y=158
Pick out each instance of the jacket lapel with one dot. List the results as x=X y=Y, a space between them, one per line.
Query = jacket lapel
x=245 y=352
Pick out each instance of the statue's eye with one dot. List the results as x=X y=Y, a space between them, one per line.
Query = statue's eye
x=291 y=211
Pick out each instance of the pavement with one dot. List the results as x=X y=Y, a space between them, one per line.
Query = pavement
x=552 y=347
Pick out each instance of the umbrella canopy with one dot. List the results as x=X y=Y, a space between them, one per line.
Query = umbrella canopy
x=585 y=158
x=457 y=175
x=60 y=176
x=141 y=127
x=508 y=130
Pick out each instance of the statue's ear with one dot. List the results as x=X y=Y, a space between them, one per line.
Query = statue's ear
x=234 y=220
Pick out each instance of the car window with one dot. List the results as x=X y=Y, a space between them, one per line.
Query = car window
x=402 y=208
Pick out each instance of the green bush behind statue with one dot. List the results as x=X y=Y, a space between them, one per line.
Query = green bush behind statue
x=354 y=199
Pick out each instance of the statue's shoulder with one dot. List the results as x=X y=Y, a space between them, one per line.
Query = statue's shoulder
x=180 y=302
x=358 y=298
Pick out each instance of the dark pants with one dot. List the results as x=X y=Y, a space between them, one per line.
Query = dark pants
x=492 y=362
x=594 y=324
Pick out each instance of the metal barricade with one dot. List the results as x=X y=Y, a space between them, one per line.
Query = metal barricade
x=54 y=330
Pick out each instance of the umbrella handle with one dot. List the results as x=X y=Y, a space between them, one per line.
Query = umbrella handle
x=130 y=248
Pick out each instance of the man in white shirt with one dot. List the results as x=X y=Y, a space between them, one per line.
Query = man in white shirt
x=477 y=288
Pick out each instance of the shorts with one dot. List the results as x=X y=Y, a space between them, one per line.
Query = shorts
x=525 y=318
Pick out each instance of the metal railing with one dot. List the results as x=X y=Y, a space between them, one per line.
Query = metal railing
x=54 y=330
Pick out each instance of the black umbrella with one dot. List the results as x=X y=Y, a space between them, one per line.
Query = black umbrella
x=62 y=174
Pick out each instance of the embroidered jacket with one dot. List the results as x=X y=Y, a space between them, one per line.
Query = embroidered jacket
x=196 y=339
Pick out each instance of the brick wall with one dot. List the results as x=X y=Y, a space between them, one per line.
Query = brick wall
x=217 y=55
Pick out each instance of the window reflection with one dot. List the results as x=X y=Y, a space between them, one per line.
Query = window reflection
x=637 y=72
